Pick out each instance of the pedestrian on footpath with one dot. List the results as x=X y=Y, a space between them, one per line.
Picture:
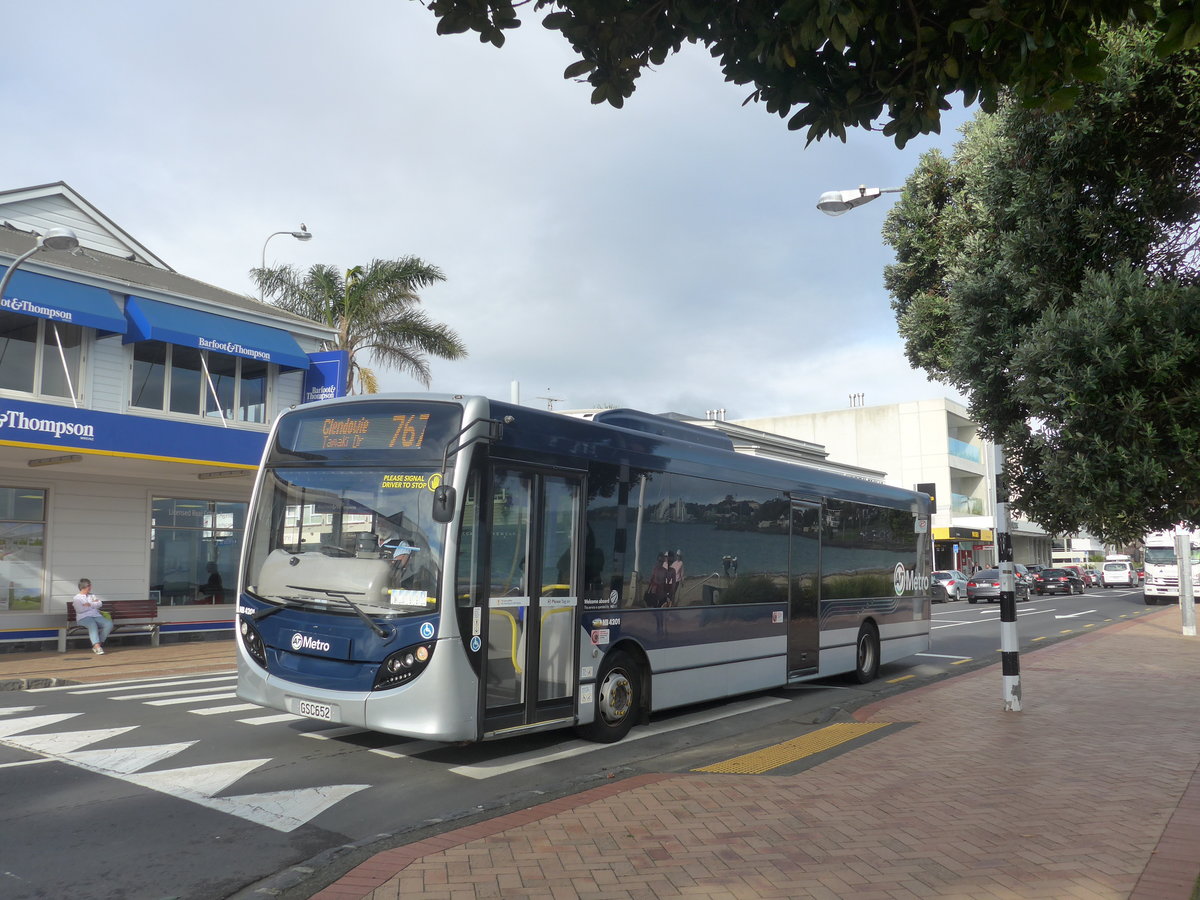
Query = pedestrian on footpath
x=87 y=614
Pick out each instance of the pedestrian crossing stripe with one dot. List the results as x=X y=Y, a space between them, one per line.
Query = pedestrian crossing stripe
x=280 y=810
x=777 y=755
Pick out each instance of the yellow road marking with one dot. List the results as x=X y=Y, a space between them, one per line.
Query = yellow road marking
x=789 y=751
x=901 y=678
x=1042 y=638
x=959 y=662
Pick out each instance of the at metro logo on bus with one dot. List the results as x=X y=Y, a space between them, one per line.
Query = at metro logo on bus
x=307 y=642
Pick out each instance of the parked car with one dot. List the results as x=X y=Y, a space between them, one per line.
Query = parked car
x=1058 y=581
x=1080 y=572
x=1024 y=575
x=985 y=585
x=1093 y=578
x=1115 y=573
x=953 y=584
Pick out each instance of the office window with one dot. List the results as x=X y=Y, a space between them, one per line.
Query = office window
x=195 y=382
x=194 y=550
x=38 y=356
x=22 y=548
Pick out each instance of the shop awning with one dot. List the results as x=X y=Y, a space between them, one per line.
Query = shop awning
x=152 y=320
x=59 y=300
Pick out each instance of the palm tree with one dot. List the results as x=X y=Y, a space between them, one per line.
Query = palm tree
x=373 y=308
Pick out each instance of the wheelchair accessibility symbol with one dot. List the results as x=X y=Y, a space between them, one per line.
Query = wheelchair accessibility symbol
x=427 y=630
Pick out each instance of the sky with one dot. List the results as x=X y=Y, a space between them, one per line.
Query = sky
x=667 y=256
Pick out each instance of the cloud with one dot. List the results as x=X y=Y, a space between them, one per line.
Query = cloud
x=664 y=256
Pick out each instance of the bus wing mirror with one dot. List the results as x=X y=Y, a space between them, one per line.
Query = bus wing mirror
x=444 y=501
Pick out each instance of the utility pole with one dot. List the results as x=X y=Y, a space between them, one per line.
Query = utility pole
x=1010 y=654
x=1187 y=591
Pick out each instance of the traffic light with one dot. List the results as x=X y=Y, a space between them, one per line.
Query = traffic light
x=931 y=489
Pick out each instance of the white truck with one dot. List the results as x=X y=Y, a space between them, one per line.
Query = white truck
x=1162 y=571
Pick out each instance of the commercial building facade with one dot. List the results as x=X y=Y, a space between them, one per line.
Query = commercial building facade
x=134 y=404
x=928 y=442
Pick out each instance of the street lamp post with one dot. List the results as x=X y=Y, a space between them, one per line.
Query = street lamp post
x=302 y=235
x=54 y=239
x=835 y=203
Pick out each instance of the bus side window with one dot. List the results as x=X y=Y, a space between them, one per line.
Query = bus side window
x=466 y=567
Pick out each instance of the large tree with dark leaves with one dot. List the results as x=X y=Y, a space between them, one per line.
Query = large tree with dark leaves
x=1049 y=270
x=827 y=65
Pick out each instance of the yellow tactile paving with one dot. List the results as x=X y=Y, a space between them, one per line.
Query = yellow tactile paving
x=789 y=751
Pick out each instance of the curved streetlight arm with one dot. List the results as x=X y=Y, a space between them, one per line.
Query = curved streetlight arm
x=302 y=235
x=54 y=239
x=835 y=203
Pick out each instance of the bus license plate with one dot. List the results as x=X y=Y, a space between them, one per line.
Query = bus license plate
x=315 y=710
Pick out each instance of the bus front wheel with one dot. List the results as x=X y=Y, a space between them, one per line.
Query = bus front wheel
x=866 y=666
x=618 y=698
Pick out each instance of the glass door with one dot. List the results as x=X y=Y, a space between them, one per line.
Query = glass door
x=531 y=623
x=804 y=588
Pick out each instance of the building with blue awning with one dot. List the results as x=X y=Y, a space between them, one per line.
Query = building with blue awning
x=152 y=320
x=134 y=405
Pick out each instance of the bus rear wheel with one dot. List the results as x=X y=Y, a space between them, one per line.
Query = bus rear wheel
x=618 y=698
x=866 y=664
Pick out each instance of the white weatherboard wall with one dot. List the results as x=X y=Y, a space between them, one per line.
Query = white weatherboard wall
x=99 y=530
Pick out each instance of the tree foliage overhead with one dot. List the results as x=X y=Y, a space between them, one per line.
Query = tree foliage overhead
x=373 y=308
x=826 y=65
x=1050 y=270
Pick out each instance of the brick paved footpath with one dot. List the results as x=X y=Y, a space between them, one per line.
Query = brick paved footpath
x=1091 y=791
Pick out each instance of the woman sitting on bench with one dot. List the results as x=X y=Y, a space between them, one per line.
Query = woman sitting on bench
x=87 y=614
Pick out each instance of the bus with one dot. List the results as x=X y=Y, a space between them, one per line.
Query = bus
x=455 y=568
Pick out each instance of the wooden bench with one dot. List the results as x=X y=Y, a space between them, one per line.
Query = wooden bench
x=141 y=615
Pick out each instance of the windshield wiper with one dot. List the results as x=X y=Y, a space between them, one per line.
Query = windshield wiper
x=271 y=610
x=341 y=595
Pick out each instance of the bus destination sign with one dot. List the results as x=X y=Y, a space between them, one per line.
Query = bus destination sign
x=356 y=432
x=409 y=429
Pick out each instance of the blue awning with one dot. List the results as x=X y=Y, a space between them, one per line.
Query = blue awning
x=59 y=300
x=152 y=320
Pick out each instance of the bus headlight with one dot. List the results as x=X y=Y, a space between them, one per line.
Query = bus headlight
x=252 y=641
x=403 y=666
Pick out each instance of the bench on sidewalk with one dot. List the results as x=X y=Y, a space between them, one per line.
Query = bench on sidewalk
x=133 y=615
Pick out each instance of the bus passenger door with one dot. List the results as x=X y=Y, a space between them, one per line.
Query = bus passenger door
x=804 y=588
x=529 y=669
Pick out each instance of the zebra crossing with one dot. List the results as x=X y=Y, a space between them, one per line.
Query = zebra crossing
x=181 y=691
x=211 y=696
x=200 y=784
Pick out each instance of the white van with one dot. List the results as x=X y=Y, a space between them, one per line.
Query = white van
x=1118 y=573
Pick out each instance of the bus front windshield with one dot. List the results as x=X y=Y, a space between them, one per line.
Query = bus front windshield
x=324 y=536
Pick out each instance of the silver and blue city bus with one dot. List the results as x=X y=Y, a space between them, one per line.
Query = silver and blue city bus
x=455 y=568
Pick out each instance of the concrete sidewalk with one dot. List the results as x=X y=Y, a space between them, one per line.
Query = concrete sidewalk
x=1092 y=791
x=125 y=658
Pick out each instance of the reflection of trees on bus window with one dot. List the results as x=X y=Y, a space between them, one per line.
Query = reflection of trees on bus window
x=739 y=543
x=861 y=547
x=705 y=522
